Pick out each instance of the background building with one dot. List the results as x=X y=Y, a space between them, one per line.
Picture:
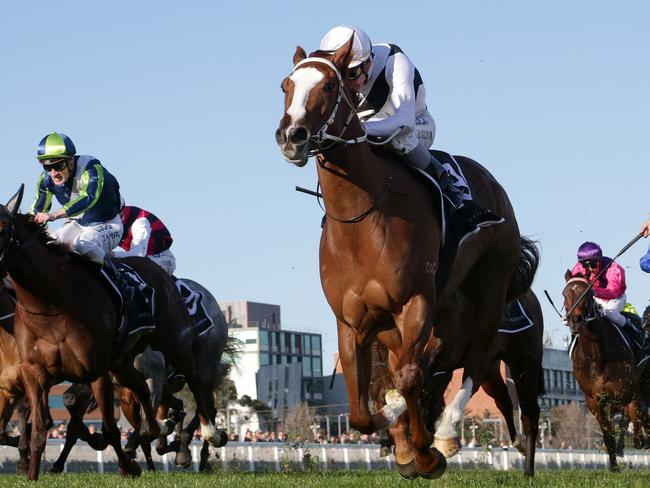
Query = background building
x=279 y=367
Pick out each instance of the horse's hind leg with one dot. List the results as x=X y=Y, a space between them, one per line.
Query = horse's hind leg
x=205 y=408
x=131 y=378
x=497 y=389
x=103 y=390
x=204 y=465
x=632 y=410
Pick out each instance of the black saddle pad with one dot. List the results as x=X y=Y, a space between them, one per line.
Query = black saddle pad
x=201 y=321
x=515 y=319
x=136 y=311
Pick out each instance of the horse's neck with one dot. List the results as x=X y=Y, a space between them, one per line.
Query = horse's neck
x=36 y=272
x=588 y=344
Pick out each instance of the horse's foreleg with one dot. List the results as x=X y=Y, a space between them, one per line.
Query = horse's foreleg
x=606 y=426
x=131 y=409
x=25 y=433
x=632 y=410
x=415 y=325
x=356 y=362
x=103 y=390
x=36 y=387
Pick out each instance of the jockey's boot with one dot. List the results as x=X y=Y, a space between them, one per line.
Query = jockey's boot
x=639 y=335
x=446 y=182
x=126 y=289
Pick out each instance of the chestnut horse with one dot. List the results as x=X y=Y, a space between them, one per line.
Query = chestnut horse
x=379 y=256
x=12 y=391
x=604 y=367
x=65 y=327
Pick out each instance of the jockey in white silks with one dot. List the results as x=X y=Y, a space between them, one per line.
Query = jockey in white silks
x=392 y=102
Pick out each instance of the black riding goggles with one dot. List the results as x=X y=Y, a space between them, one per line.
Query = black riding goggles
x=56 y=166
x=356 y=72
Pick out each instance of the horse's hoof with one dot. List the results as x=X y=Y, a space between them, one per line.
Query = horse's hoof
x=448 y=446
x=407 y=471
x=205 y=468
x=55 y=469
x=219 y=439
x=131 y=469
x=614 y=469
x=183 y=459
x=430 y=465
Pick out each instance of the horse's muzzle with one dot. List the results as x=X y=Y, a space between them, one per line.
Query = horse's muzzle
x=294 y=144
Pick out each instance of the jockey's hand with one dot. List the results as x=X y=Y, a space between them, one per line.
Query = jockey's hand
x=645 y=228
x=42 y=218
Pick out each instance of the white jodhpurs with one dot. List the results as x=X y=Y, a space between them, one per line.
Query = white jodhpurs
x=94 y=240
x=423 y=133
x=612 y=309
x=165 y=260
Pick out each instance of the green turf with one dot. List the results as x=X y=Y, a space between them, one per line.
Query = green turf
x=356 y=479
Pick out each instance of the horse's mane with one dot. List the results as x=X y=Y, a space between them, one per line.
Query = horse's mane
x=39 y=231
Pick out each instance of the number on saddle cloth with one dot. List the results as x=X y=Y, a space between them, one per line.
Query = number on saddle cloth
x=201 y=321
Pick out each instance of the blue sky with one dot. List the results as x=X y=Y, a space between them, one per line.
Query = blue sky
x=180 y=102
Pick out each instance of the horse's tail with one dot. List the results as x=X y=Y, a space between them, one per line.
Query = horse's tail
x=523 y=277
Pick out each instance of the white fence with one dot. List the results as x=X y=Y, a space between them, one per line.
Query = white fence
x=245 y=456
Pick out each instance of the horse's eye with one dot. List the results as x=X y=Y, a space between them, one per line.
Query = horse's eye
x=329 y=87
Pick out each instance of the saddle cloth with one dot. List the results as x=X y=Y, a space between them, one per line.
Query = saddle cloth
x=136 y=314
x=201 y=321
x=514 y=319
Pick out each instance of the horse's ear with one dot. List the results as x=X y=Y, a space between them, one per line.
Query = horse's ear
x=14 y=202
x=299 y=55
x=567 y=275
x=343 y=55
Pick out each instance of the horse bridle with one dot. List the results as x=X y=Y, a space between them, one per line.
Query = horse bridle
x=321 y=135
x=592 y=312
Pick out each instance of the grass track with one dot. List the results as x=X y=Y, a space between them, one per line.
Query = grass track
x=355 y=479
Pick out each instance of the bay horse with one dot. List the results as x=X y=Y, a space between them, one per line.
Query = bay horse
x=379 y=256
x=604 y=366
x=208 y=346
x=65 y=326
x=521 y=351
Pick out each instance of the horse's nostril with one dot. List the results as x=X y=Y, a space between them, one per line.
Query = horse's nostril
x=300 y=136
x=280 y=137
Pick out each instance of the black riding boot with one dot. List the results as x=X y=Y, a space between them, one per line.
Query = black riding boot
x=127 y=289
x=639 y=335
x=446 y=182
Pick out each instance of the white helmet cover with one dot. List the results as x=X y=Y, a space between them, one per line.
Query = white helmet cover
x=339 y=35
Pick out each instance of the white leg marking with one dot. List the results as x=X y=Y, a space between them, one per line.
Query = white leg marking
x=454 y=411
x=208 y=432
x=395 y=406
x=304 y=80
